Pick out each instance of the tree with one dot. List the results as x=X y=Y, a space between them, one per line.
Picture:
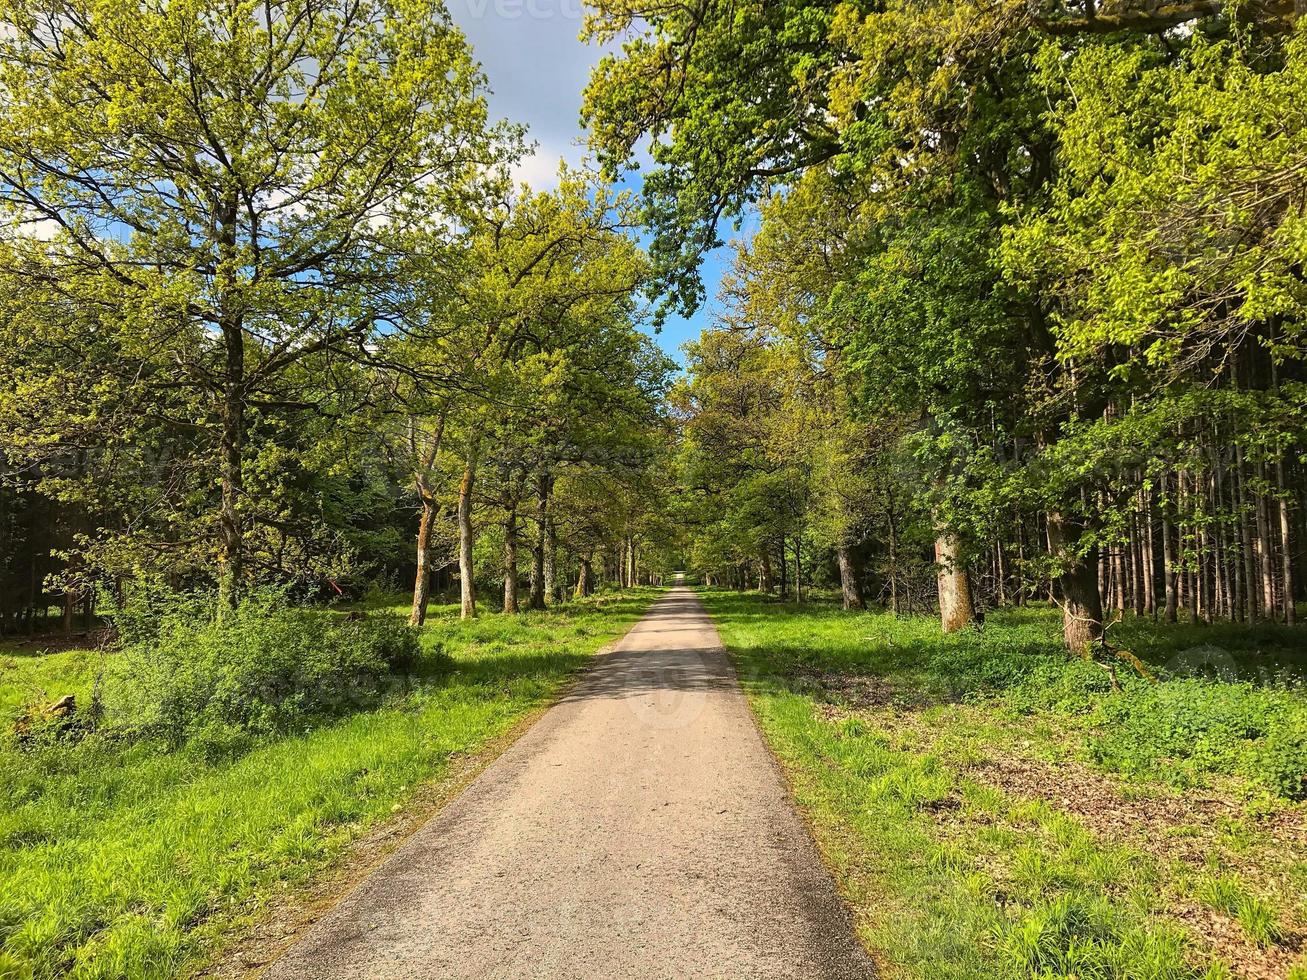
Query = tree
x=238 y=192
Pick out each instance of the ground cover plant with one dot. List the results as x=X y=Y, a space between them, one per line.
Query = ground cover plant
x=136 y=855
x=992 y=808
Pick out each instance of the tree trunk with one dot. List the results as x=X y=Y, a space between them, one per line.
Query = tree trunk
x=510 y=561
x=785 y=580
x=798 y=569
x=1149 y=558
x=1286 y=552
x=553 y=592
x=1172 y=610
x=585 y=578
x=422 y=582
x=231 y=448
x=893 y=566
x=1247 y=543
x=764 y=576
x=421 y=478
x=850 y=588
x=1265 y=556
x=1082 y=608
x=955 y=608
x=466 y=534
x=539 y=589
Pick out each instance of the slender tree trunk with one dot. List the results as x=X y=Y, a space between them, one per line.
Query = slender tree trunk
x=539 y=588
x=585 y=578
x=1119 y=576
x=798 y=569
x=850 y=587
x=510 y=561
x=466 y=534
x=1150 y=558
x=69 y=608
x=232 y=451
x=785 y=586
x=955 y=607
x=765 y=575
x=893 y=566
x=1082 y=609
x=232 y=438
x=1247 y=540
x=1172 y=612
x=553 y=589
x=1265 y=554
x=1286 y=549
x=422 y=581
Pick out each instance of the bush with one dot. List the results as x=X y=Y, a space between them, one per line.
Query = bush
x=261 y=669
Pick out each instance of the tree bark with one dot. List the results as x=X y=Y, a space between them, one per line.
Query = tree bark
x=955 y=608
x=785 y=578
x=422 y=581
x=1082 y=608
x=585 y=578
x=1286 y=552
x=553 y=591
x=1172 y=609
x=1265 y=557
x=1247 y=540
x=539 y=589
x=427 y=497
x=850 y=587
x=466 y=534
x=510 y=561
x=798 y=569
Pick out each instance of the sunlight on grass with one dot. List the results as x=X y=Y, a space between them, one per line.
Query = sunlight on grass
x=122 y=859
x=881 y=723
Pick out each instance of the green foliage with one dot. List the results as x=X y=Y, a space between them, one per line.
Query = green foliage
x=1193 y=727
x=258 y=670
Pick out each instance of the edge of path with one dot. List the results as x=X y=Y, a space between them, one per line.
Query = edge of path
x=801 y=811
x=265 y=938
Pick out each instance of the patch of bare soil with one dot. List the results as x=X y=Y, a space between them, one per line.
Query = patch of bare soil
x=285 y=919
x=854 y=691
x=59 y=642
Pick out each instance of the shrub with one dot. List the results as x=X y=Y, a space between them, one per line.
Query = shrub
x=261 y=669
x=1206 y=726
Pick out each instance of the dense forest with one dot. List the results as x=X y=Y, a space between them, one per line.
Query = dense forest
x=1027 y=284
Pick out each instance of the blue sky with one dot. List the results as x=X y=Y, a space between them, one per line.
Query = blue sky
x=537 y=68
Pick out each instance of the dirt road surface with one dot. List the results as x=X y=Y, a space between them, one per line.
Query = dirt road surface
x=639 y=829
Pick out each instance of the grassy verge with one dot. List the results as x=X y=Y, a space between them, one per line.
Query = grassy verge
x=124 y=859
x=991 y=809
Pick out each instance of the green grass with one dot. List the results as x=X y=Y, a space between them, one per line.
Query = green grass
x=123 y=859
x=884 y=727
x=31 y=676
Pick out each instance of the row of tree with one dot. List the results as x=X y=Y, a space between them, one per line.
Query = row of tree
x=271 y=311
x=1027 y=302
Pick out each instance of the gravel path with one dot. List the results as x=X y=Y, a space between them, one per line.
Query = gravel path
x=639 y=829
